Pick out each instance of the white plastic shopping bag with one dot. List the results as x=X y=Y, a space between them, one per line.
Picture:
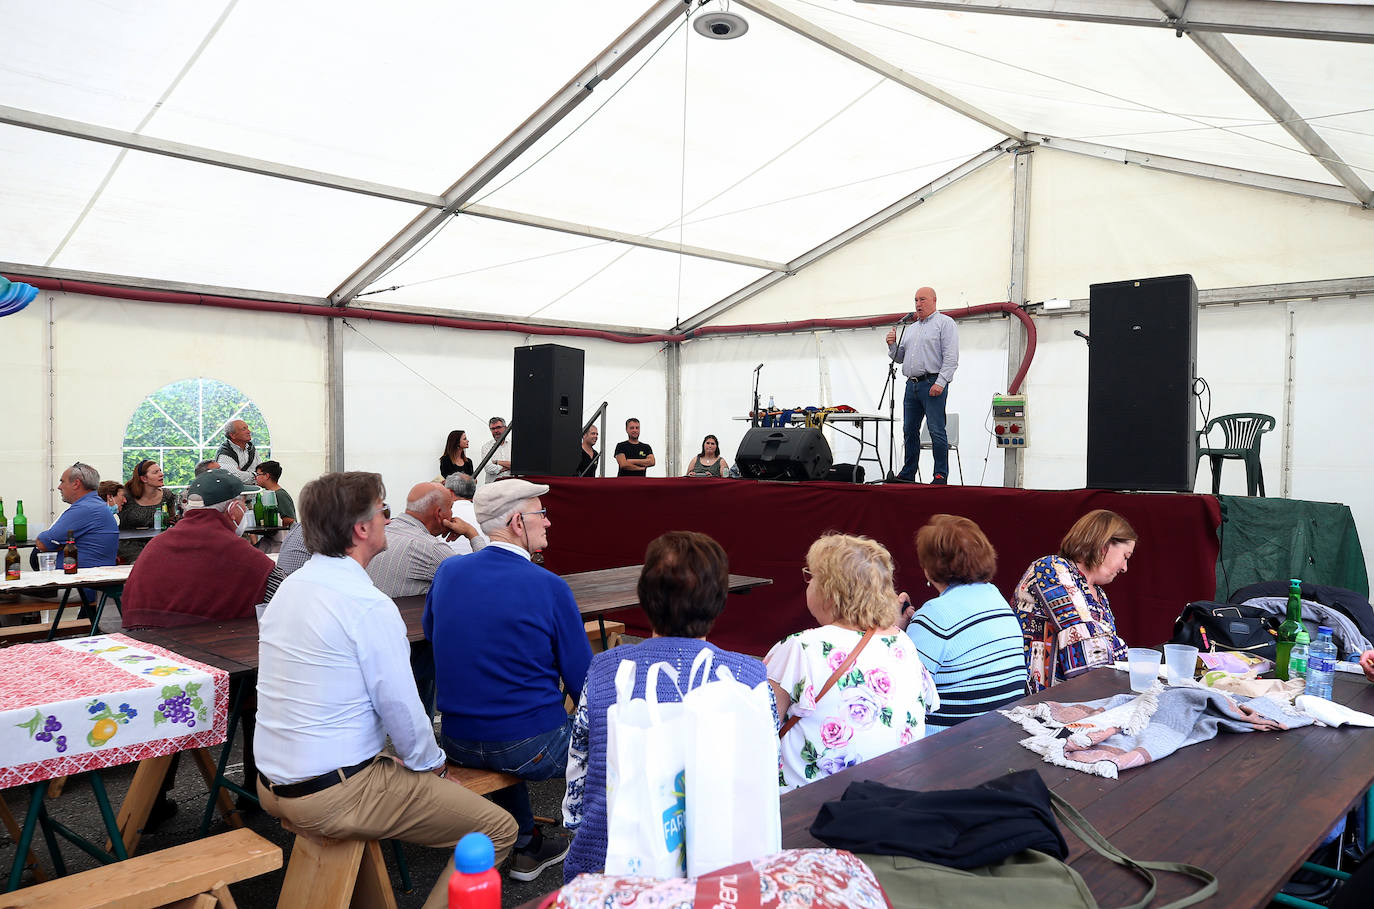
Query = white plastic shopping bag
x=645 y=799
x=731 y=772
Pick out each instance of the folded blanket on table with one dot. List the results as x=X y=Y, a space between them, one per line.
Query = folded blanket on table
x=1108 y=735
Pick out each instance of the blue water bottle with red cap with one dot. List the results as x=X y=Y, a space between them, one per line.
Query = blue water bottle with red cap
x=475 y=883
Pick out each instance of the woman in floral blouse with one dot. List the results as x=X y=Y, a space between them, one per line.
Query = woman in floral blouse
x=880 y=702
x=1067 y=626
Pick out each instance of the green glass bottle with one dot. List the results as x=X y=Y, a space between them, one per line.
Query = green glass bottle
x=21 y=523
x=1288 y=631
x=4 y=521
x=257 y=510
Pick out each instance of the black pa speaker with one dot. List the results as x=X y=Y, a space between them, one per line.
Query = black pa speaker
x=1141 y=363
x=546 y=414
x=783 y=453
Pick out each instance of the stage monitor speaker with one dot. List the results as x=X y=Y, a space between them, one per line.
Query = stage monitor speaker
x=784 y=453
x=1142 y=358
x=546 y=416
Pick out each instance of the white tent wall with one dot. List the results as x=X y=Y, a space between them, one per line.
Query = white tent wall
x=406 y=386
x=958 y=241
x=24 y=454
x=108 y=355
x=839 y=367
x=1093 y=220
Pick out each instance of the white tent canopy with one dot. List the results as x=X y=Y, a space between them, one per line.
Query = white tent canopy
x=607 y=165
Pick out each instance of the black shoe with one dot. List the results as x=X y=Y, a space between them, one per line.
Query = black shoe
x=938 y=480
x=898 y=478
x=536 y=857
x=163 y=810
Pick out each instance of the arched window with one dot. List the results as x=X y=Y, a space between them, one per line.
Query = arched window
x=183 y=423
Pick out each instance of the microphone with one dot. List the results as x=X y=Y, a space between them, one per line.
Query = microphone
x=757 y=368
x=1083 y=336
x=907 y=319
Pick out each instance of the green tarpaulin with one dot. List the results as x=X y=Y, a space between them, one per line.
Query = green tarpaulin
x=1276 y=539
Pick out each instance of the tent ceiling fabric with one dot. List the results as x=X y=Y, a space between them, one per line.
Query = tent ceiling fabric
x=756 y=149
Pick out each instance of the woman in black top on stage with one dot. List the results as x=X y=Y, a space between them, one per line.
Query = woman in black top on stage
x=454 y=459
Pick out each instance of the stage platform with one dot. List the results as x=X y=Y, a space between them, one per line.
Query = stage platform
x=766 y=528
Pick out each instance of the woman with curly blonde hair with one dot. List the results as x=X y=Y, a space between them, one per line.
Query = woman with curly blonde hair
x=853 y=687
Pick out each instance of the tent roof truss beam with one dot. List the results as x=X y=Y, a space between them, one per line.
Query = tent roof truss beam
x=77 y=129
x=1324 y=191
x=849 y=235
x=1224 y=54
x=649 y=26
x=880 y=66
x=1270 y=18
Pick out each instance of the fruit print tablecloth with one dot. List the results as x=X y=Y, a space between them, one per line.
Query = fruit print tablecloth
x=87 y=703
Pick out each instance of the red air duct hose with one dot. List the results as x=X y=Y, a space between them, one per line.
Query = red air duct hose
x=312 y=309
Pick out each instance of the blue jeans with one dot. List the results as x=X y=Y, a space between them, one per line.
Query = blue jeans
x=539 y=757
x=917 y=405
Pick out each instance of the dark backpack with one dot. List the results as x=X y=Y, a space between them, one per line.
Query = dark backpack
x=1212 y=626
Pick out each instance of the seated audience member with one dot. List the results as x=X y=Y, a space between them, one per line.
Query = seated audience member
x=200 y=571
x=455 y=457
x=334 y=683
x=201 y=467
x=87 y=519
x=146 y=495
x=464 y=487
x=586 y=461
x=708 y=462
x=506 y=633
x=1067 y=626
x=968 y=637
x=849 y=592
x=266 y=477
x=292 y=556
x=633 y=456
x=112 y=492
x=498 y=468
x=682 y=590
x=237 y=454
x=413 y=553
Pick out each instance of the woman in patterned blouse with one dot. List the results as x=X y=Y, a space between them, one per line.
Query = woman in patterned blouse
x=880 y=701
x=1067 y=626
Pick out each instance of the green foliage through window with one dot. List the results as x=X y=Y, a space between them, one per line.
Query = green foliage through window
x=183 y=423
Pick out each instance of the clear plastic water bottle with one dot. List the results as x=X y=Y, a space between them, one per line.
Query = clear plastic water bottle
x=1297 y=660
x=1321 y=664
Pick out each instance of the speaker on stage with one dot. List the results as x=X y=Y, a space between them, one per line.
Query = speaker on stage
x=784 y=453
x=546 y=413
x=1142 y=358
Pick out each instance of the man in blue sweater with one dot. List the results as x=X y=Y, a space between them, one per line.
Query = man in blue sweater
x=506 y=633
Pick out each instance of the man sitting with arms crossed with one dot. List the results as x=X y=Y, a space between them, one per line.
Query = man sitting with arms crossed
x=505 y=632
x=413 y=553
x=334 y=682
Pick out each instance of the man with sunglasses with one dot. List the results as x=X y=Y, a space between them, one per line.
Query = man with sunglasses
x=334 y=683
x=506 y=633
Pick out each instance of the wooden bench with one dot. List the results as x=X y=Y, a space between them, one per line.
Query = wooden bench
x=613 y=632
x=481 y=782
x=195 y=874
x=335 y=874
x=19 y=634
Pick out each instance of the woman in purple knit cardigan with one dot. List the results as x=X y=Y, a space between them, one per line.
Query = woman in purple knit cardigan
x=682 y=589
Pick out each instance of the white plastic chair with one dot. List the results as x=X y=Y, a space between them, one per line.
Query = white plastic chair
x=952 y=433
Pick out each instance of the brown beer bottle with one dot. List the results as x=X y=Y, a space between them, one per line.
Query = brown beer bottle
x=12 y=563
x=69 y=556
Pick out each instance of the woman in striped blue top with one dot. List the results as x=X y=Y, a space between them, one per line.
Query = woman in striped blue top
x=968 y=637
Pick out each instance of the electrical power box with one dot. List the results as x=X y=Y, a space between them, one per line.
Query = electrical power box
x=1009 y=420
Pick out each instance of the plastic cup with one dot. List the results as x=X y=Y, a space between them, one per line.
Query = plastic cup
x=47 y=561
x=1180 y=663
x=1144 y=666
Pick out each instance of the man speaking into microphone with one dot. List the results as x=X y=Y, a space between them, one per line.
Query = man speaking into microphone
x=928 y=350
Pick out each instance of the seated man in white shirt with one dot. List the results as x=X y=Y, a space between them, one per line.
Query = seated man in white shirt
x=464 y=488
x=334 y=682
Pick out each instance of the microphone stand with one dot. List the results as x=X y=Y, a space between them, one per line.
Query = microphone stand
x=890 y=392
x=754 y=420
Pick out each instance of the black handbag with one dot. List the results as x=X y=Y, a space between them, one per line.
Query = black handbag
x=1210 y=627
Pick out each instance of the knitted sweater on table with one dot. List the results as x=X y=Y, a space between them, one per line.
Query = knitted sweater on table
x=588 y=850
